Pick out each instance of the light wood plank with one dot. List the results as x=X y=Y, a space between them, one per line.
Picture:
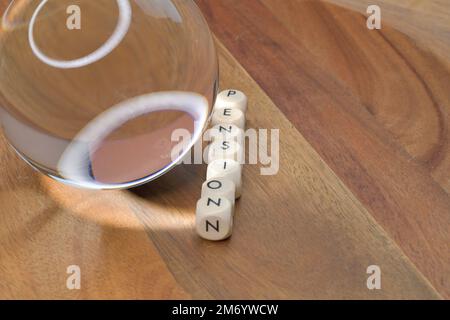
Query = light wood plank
x=45 y=227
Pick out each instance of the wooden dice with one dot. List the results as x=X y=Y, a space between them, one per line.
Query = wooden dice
x=228 y=169
x=225 y=131
x=219 y=187
x=215 y=209
x=214 y=218
x=228 y=115
x=233 y=99
x=225 y=149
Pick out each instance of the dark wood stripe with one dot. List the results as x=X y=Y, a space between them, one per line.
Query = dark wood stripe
x=374 y=163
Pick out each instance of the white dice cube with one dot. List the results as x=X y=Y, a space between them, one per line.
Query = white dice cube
x=224 y=131
x=228 y=116
x=214 y=218
x=219 y=187
x=225 y=149
x=227 y=169
x=233 y=99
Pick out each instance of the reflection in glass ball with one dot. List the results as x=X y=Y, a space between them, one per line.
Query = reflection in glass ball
x=91 y=91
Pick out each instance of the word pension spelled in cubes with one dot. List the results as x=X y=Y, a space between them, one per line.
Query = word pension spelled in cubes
x=223 y=185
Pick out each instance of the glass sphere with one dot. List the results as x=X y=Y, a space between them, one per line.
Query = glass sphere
x=92 y=91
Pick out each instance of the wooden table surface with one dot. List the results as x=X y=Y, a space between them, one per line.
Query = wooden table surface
x=364 y=118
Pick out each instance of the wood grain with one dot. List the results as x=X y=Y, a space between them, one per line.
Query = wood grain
x=373 y=104
x=45 y=227
x=299 y=234
x=309 y=237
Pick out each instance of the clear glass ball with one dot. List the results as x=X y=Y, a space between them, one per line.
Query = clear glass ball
x=91 y=91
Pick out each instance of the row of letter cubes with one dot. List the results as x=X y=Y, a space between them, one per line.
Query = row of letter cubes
x=223 y=185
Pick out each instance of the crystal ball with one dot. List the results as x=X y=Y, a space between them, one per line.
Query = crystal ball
x=92 y=91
